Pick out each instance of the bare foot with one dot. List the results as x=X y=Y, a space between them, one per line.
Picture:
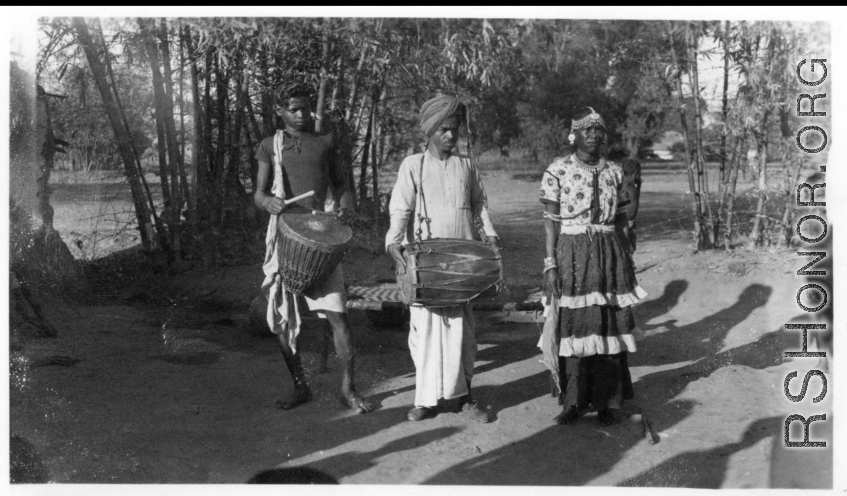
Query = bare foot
x=352 y=400
x=569 y=416
x=296 y=398
x=610 y=416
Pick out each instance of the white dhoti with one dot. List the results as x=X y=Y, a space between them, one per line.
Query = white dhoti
x=443 y=348
x=329 y=295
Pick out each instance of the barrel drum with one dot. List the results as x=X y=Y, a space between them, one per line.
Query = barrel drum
x=447 y=272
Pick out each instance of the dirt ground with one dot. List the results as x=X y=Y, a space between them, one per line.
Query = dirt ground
x=169 y=383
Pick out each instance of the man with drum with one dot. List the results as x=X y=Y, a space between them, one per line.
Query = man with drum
x=442 y=193
x=296 y=161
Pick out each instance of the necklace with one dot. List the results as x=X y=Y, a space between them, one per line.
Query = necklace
x=590 y=168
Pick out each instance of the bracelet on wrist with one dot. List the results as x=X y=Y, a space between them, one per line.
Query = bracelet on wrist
x=549 y=267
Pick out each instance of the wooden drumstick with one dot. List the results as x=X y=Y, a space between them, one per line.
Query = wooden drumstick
x=300 y=197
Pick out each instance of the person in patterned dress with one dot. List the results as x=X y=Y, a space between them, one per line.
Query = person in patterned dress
x=589 y=279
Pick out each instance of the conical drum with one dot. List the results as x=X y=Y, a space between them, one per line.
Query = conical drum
x=310 y=247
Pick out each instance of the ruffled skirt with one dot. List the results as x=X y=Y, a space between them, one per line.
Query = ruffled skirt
x=598 y=288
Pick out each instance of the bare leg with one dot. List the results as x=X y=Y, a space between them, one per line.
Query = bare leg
x=326 y=331
x=346 y=356
x=301 y=393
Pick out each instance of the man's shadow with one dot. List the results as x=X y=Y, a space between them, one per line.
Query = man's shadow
x=571 y=456
x=697 y=340
x=353 y=462
x=657 y=307
x=704 y=468
x=699 y=343
x=555 y=456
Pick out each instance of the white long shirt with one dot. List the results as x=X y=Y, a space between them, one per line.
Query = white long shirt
x=453 y=194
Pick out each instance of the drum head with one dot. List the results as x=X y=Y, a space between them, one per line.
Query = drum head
x=321 y=230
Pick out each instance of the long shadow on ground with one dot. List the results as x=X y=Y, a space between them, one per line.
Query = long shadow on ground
x=352 y=462
x=299 y=440
x=698 y=340
x=562 y=455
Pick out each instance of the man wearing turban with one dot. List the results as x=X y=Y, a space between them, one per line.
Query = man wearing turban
x=442 y=193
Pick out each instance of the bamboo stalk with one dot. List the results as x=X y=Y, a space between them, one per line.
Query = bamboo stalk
x=122 y=137
x=702 y=174
x=696 y=206
x=319 y=111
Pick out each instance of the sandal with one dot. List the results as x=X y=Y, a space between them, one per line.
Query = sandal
x=419 y=413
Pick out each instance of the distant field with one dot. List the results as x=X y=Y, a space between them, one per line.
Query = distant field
x=96 y=218
x=94 y=214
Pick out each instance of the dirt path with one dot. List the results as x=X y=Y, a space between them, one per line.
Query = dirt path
x=179 y=389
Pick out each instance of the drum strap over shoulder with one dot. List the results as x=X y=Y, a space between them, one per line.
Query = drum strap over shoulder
x=422 y=205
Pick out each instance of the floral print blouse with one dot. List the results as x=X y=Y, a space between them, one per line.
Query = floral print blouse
x=570 y=183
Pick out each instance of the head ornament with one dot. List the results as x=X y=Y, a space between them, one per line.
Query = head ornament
x=592 y=118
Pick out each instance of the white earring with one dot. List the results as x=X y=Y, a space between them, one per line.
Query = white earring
x=571 y=138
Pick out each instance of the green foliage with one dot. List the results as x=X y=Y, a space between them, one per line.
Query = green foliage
x=79 y=118
x=523 y=80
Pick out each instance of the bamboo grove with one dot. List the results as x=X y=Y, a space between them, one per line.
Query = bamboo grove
x=200 y=93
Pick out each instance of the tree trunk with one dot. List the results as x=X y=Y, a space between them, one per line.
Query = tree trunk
x=164 y=147
x=363 y=185
x=164 y=180
x=248 y=108
x=161 y=234
x=787 y=231
x=233 y=183
x=722 y=191
x=762 y=149
x=351 y=100
x=696 y=205
x=122 y=137
x=251 y=145
x=257 y=133
x=724 y=105
x=351 y=134
x=735 y=165
x=702 y=175
x=374 y=152
x=319 y=111
x=183 y=179
x=205 y=187
x=221 y=96
x=197 y=148
x=181 y=101
x=218 y=174
x=267 y=98
x=174 y=157
x=338 y=88
x=633 y=148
